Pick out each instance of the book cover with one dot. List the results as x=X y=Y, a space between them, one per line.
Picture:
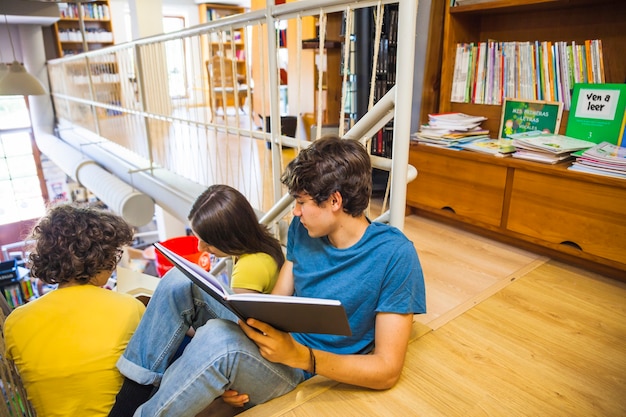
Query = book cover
x=597 y=112
x=497 y=147
x=555 y=144
x=289 y=314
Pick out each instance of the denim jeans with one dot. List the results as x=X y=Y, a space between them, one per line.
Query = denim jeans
x=219 y=357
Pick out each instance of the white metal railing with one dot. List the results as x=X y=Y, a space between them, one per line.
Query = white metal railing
x=121 y=93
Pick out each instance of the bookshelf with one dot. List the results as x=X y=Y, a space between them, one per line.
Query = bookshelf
x=567 y=215
x=382 y=143
x=531 y=20
x=103 y=70
x=214 y=46
x=98 y=27
x=331 y=77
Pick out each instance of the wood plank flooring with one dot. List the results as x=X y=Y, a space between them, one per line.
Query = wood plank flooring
x=508 y=333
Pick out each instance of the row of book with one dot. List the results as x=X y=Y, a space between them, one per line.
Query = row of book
x=18 y=292
x=486 y=72
x=90 y=11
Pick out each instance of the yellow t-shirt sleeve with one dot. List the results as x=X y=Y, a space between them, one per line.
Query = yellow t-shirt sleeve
x=255 y=272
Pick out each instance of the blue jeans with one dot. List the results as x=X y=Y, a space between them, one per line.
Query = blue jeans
x=219 y=357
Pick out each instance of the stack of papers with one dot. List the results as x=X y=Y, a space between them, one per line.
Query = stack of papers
x=451 y=129
x=603 y=159
x=546 y=147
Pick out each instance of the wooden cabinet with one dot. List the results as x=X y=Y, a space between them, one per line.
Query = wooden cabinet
x=98 y=27
x=570 y=212
x=546 y=208
x=472 y=190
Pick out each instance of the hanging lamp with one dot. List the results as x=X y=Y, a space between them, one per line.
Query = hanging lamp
x=17 y=81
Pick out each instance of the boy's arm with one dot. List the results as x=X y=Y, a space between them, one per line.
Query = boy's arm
x=284 y=283
x=379 y=370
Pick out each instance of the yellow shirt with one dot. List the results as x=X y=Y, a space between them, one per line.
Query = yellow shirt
x=66 y=344
x=255 y=271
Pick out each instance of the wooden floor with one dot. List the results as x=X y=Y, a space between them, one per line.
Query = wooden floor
x=508 y=333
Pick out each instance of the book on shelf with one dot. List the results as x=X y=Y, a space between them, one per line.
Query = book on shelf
x=538 y=156
x=286 y=313
x=455 y=119
x=621 y=137
x=604 y=158
x=487 y=71
x=496 y=147
x=520 y=116
x=607 y=154
x=597 y=113
x=549 y=143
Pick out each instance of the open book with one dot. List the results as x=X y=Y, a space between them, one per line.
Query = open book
x=286 y=313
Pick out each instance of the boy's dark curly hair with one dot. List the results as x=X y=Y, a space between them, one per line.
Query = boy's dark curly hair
x=332 y=164
x=73 y=243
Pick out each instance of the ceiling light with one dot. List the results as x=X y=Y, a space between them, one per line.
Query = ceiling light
x=17 y=81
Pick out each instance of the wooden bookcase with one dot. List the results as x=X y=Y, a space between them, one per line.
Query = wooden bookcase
x=213 y=46
x=98 y=27
x=568 y=215
x=530 y=20
x=331 y=77
x=104 y=70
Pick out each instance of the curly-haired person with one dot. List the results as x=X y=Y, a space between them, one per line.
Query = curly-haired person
x=65 y=344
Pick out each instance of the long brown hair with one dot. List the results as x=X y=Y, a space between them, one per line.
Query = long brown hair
x=222 y=217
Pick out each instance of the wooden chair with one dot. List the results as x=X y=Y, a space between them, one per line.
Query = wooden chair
x=225 y=87
x=13 y=400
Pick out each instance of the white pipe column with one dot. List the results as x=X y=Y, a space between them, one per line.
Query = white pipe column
x=135 y=207
x=407 y=15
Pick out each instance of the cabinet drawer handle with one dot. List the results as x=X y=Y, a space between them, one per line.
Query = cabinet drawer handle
x=571 y=244
x=448 y=208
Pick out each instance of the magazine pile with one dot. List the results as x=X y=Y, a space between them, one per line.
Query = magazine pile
x=451 y=129
x=603 y=159
x=546 y=147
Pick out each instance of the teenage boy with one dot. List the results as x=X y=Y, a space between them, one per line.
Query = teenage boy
x=333 y=251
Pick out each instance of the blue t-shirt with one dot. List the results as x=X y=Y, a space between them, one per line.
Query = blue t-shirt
x=379 y=274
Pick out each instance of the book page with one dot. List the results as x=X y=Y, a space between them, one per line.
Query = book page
x=202 y=278
x=271 y=298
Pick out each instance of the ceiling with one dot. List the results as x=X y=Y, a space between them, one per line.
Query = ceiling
x=23 y=12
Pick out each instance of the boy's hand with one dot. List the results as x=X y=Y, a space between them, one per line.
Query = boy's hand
x=234 y=399
x=275 y=345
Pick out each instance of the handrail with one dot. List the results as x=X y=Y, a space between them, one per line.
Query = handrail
x=147 y=118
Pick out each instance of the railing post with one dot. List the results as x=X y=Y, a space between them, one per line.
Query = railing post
x=275 y=130
x=407 y=16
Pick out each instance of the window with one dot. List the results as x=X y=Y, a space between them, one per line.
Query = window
x=20 y=186
x=175 y=51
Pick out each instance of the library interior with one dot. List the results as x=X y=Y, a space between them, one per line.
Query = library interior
x=496 y=131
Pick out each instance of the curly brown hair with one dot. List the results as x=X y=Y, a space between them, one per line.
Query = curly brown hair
x=332 y=164
x=73 y=243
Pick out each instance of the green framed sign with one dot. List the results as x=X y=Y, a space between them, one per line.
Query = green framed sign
x=520 y=116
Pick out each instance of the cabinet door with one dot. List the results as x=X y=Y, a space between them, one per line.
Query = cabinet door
x=571 y=212
x=470 y=189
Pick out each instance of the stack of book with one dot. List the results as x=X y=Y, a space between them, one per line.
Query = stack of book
x=603 y=159
x=545 y=147
x=451 y=129
x=495 y=147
